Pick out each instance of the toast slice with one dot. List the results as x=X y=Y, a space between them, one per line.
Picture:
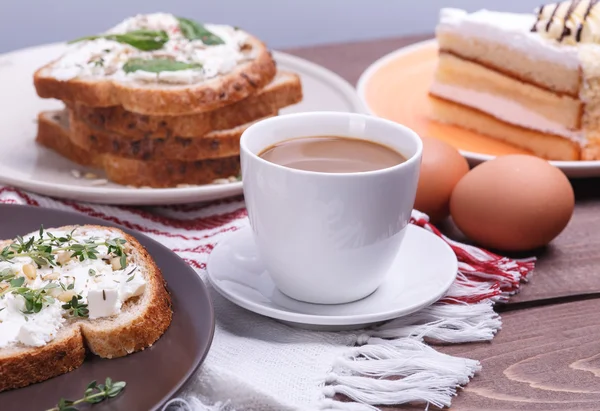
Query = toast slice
x=184 y=76
x=216 y=144
x=283 y=91
x=140 y=320
x=54 y=133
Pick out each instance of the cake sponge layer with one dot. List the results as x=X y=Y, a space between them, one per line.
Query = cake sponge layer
x=505 y=59
x=544 y=145
x=590 y=92
x=561 y=109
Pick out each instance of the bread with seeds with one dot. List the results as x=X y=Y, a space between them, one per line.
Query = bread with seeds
x=159 y=64
x=283 y=91
x=54 y=133
x=55 y=307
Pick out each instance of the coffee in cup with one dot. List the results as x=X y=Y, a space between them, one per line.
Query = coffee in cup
x=329 y=233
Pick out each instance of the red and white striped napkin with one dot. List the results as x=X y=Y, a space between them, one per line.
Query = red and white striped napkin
x=257 y=363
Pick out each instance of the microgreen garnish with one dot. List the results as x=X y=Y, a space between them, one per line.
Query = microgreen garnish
x=145 y=40
x=94 y=393
x=42 y=250
x=131 y=274
x=34 y=299
x=6 y=275
x=193 y=30
x=75 y=308
x=17 y=282
x=157 y=65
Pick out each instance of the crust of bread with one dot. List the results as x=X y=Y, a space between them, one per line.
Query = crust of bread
x=54 y=133
x=109 y=340
x=283 y=91
x=165 y=173
x=39 y=364
x=163 y=99
x=106 y=338
x=216 y=144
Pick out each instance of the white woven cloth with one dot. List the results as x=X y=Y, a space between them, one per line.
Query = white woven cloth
x=256 y=363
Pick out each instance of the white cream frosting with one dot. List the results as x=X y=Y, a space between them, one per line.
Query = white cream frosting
x=511 y=30
x=505 y=110
x=105 y=58
x=570 y=22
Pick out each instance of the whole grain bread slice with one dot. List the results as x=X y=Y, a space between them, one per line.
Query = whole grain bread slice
x=54 y=133
x=216 y=144
x=160 y=98
x=142 y=321
x=283 y=91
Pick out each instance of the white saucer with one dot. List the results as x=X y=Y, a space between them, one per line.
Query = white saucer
x=422 y=273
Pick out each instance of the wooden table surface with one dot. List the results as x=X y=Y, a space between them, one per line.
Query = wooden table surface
x=547 y=355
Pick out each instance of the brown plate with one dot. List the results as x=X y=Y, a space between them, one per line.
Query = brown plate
x=154 y=375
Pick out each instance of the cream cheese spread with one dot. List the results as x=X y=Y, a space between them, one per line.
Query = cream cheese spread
x=105 y=58
x=100 y=283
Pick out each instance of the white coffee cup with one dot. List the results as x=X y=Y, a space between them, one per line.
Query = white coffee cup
x=328 y=238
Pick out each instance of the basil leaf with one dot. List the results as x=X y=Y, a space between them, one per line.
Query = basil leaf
x=145 y=40
x=192 y=30
x=156 y=65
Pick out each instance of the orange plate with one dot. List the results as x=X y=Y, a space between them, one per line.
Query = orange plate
x=396 y=88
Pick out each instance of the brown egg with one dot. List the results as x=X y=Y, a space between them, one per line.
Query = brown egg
x=442 y=167
x=513 y=203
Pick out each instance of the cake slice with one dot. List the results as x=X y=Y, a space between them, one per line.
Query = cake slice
x=527 y=79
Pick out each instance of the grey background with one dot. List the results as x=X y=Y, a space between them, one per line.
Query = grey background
x=280 y=23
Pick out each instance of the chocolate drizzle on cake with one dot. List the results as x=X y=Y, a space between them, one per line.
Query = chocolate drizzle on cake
x=566 y=31
x=551 y=19
x=585 y=16
x=539 y=16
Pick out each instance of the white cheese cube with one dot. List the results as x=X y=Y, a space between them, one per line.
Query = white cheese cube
x=103 y=302
x=132 y=288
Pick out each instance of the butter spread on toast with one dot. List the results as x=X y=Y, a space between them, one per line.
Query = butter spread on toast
x=159 y=48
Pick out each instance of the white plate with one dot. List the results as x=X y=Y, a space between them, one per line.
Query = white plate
x=26 y=165
x=574 y=169
x=423 y=271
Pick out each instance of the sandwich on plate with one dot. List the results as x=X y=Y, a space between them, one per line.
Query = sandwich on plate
x=67 y=290
x=161 y=100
